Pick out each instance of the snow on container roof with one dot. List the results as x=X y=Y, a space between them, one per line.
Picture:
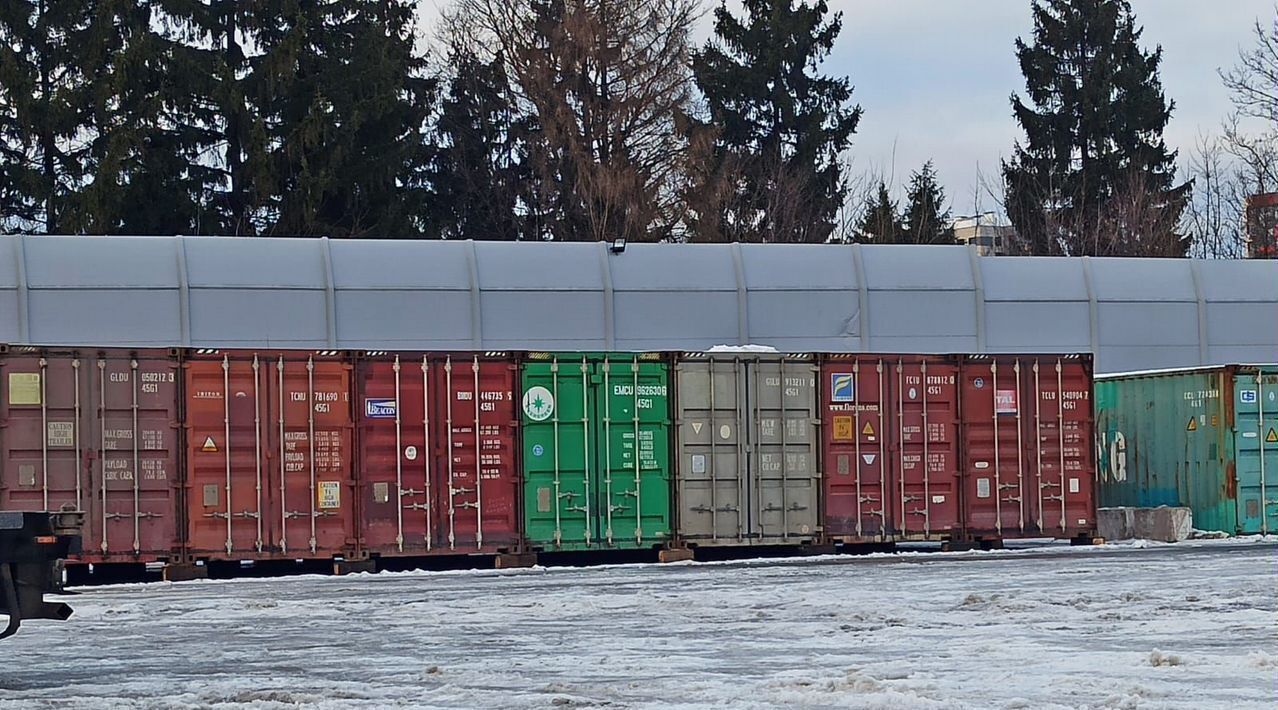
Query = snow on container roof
x=101 y=262
x=372 y=264
x=1032 y=278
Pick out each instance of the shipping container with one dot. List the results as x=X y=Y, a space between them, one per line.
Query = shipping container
x=748 y=432
x=891 y=439
x=1204 y=438
x=96 y=431
x=438 y=464
x=596 y=454
x=269 y=456
x=1028 y=443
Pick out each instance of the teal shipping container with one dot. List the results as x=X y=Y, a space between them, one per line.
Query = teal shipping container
x=1205 y=438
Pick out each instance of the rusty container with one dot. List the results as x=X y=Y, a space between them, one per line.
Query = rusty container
x=1029 y=459
x=270 y=470
x=438 y=454
x=96 y=431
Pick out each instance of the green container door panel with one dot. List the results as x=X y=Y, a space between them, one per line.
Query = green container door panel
x=558 y=463
x=634 y=423
x=596 y=452
x=1256 y=446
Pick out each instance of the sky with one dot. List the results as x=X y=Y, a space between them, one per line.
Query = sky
x=934 y=78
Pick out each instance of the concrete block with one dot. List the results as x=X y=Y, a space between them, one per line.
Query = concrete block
x=1162 y=524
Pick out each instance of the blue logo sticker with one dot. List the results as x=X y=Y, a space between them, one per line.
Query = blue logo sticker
x=841 y=387
x=379 y=408
x=979 y=383
x=538 y=449
x=1247 y=396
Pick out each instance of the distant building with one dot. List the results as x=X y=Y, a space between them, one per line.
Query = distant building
x=1262 y=226
x=986 y=231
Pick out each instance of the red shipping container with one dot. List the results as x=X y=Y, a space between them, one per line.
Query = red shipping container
x=891 y=463
x=1028 y=454
x=97 y=431
x=438 y=440
x=270 y=472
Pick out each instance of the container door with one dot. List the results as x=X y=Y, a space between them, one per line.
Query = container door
x=228 y=493
x=397 y=464
x=634 y=424
x=711 y=489
x=1061 y=447
x=99 y=434
x=994 y=459
x=477 y=485
x=855 y=396
x=558 y=461
x=311 y=416
x=926 y=489
x=1256 y=446
x=783 y=450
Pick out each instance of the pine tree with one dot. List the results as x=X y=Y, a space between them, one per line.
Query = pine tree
x=779 y=125
x=342 y=100
x=925 y=223
x=1094 y=175
x=44 y=86
x=482 y=165
x=880 y=220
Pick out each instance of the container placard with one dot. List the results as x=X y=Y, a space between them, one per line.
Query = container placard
x=24 y=388
x=60 y=434
x=330 y=494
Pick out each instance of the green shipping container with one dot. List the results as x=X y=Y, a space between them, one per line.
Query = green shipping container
x=1206 y=439
x=596 y=431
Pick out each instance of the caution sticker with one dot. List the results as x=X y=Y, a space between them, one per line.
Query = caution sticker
x=868 y=429
x=844 y=429
x=330 y=494
x=210 y=446
x=1193 y=424
x=1272 y=437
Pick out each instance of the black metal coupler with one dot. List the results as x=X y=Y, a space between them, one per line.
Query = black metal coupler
x=32 y=549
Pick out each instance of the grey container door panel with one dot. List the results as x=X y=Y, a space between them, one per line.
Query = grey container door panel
x=713 y=492
x=784 y=474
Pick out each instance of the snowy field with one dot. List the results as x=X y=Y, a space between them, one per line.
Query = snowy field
x=1193 y=625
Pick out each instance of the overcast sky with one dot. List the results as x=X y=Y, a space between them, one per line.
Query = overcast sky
x=935 y=76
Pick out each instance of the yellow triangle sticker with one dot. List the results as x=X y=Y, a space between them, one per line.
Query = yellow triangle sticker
x=868 y=429
x=1272 y=438
x=209 y=445
x=1193 y=425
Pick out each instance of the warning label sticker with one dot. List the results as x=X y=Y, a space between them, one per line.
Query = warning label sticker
x=1193 y=424
x=210 y=446
x=868 y=429
x=330 y=494
x=844 y=429
x=60 y=434
x=1272 y=437
x=24 y=388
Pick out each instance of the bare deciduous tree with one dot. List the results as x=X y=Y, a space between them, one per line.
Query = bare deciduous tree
x=606 y=81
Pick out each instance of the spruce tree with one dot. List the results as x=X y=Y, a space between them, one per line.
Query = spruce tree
x=880 y=219
x=482 y=164
x=44 y=86
x=925 y=222
x=1094 y=175
x=342 y=100
x=782 y=125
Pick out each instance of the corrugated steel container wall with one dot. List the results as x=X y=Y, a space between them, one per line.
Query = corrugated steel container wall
x=438 y=454
x=269 y=456
x=747 y=468
x=1255 y=395
x=891 y=448
x=1197 y=438
x=596 y=451
x=97 y=430
x=1028 y=447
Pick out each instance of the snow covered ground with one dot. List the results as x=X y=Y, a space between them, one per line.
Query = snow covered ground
x=1193 y=625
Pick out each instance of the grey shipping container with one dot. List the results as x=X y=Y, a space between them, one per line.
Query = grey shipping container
x=747 y=470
